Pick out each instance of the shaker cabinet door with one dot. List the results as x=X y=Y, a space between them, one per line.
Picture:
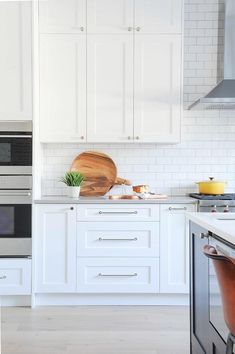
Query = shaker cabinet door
x=109 y=88
x=157 y=91
x=62 y=88
x=62 y=16
x=110 y=16
x=174 y=248
x=15 y=60
x=157 y=16
x=55 y=243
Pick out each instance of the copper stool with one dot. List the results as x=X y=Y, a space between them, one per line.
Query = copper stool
x=225 y=271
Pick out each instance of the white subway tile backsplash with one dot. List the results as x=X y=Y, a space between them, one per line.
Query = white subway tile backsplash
x=208 y=137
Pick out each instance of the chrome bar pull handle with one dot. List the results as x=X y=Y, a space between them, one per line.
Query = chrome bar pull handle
x=117 y=212
x=3 y=277
x=118 y=239
x=118 y=275
x=175 y=209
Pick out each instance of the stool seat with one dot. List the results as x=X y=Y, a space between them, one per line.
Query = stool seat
x=225 y=272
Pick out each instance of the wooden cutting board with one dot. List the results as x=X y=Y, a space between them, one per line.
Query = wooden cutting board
x=99 y=170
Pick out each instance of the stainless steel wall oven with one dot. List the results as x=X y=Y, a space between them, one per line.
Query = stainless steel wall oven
x=15 y=189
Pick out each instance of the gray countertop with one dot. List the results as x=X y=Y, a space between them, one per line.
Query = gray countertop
x=221 y=224
x=105 y=200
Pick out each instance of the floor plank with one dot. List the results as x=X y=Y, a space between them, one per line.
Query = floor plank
x=96 y=330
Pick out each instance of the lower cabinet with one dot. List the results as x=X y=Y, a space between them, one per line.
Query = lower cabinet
x=115 y=239
x=15 y=276
x=118 y=275
x=55 y=248
x=111 y=249
x=174 y=248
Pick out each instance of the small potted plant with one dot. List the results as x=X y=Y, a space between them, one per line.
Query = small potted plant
x=73 y=180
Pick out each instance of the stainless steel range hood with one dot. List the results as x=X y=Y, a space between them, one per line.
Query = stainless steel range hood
x=223 y=95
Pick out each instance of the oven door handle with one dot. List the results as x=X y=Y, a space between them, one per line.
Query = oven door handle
x=15 y=136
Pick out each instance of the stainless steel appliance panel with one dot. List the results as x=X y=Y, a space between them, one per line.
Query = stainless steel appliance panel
x=15 y=247
x=15 y=223
x=15 y=182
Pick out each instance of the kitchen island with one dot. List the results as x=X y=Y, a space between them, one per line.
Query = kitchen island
x=208 y=329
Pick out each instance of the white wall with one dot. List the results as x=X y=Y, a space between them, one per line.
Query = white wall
x=208 y=138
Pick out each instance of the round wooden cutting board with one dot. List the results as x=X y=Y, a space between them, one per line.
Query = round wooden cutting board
x=99 y=170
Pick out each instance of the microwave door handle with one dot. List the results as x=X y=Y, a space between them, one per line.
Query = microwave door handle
x=6 y=194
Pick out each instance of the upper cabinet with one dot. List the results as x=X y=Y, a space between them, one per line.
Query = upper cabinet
x=62 y=16
x=157 y=83
x=110 y=16
x=158 y=16
x=15 y=60
x=62 y=88
x=109 y=88
x=110 y=70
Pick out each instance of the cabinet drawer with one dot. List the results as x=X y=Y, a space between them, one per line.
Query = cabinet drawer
x=139 y=239
x=120 y=275
x=15 y=276
x=124 y=212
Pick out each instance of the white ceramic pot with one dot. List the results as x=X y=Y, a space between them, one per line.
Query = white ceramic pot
x=74 y=192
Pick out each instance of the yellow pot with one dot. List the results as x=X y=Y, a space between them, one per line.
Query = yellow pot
x=211 y=186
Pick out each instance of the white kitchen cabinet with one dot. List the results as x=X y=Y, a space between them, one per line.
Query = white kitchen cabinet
x=55 y=248
x=119 y=275
x=62 y=88
x=118 y=82
x=109 y=88
x=62 y=16
x=115 y=239
x=15 y=60
x=174 y=248
x=157 y=91
x=158 y=16
x=110 y=16
x=15 y=276
x=118 y=212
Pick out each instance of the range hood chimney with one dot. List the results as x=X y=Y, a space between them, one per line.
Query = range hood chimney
x=223 y=95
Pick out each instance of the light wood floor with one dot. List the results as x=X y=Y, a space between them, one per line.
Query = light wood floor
x=95 y=330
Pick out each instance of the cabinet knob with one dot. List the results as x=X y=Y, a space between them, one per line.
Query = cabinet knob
x=82 y=28
x=137 y=138
x=129 y=138
x=129 y=29
x=138 y=29
x=71 y=208
x=82 y=137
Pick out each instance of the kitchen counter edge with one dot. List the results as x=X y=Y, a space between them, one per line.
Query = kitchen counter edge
x=209 y=221
x=105 y=200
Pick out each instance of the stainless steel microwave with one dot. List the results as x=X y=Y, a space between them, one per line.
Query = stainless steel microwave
x=15 y=148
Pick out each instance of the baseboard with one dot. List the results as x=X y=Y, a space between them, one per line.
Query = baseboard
x=15 y=300
x=113 y=299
